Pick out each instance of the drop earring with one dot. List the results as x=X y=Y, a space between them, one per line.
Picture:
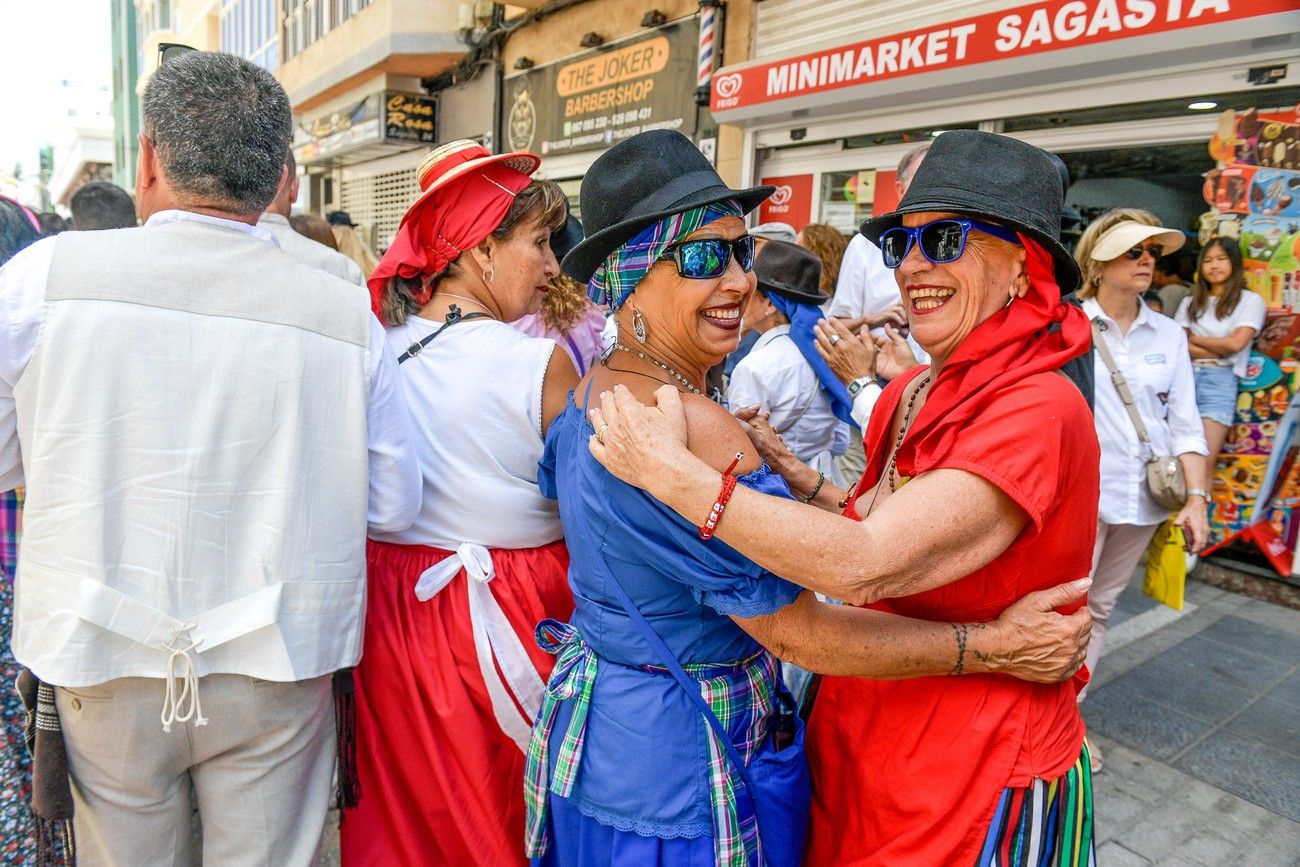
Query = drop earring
x=489 y=274
x=638 y=326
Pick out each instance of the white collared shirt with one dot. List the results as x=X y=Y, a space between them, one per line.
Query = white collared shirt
x=776 y=376
x=394 y=473
x=310 y=252
x=1153 y=359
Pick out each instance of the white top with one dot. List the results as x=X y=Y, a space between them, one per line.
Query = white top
x=1249 y=313
x=475 y=393
x=776 y=376
x=199 y=420
x=311 y=252
x=1153 y=359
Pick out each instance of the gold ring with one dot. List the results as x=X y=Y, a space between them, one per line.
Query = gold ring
x=600 y=434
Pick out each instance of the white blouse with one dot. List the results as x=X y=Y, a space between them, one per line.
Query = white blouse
x=1249 y=313
x=1153 y=358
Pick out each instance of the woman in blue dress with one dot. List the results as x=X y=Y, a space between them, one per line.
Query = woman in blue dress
x=665 y=674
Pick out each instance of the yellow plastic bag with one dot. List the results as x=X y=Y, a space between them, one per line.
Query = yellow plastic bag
x=1167 y=566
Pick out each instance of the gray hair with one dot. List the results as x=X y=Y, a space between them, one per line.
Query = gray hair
x=221 y=127
x=907 y=165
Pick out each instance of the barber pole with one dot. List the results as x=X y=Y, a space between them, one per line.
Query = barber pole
x=708 y=29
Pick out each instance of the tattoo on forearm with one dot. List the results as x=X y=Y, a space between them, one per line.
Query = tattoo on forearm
x=959 y=631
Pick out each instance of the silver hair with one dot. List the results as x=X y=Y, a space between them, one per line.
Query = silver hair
x=907 y=165
x=221 y=127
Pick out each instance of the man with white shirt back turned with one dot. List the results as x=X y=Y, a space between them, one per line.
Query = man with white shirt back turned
x=205 y=427
x=302 y=248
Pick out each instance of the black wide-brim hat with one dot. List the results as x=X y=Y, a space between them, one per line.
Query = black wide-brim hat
x=641 y=180
x=789 y=270
x=567 y=236
x=990 y=177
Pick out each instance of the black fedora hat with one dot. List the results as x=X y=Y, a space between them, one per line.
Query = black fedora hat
x=641 y=180
x=791 y=271
x=992 y=177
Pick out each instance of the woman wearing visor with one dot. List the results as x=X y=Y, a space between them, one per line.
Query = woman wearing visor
x=981 y=486
x=666 y=736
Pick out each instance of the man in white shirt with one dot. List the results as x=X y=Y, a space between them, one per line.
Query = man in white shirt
x=776 y=375
x=302 y=248
x=205 y=427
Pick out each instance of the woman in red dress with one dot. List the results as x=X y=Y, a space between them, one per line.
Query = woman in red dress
x=981 y=486
x=450 y=678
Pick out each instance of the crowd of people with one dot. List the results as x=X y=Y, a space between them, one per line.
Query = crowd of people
x=648 y=538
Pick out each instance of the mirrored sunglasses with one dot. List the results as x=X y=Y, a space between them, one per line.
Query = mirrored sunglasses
x=940 y=241
x=705 y=258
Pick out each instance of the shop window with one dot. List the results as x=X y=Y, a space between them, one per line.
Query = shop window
x=846 y=198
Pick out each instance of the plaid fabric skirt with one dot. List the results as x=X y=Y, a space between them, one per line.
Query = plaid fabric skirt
x=1048 y=824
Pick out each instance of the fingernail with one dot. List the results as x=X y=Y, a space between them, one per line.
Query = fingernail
x=604 y=394
x=1083 y=583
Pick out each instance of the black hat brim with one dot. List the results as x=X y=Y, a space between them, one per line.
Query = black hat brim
x=583 y=260
x=794 y=294
x=1066 y=270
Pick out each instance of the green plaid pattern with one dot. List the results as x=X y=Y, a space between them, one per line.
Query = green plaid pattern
x=571 y=680
x=744 y=691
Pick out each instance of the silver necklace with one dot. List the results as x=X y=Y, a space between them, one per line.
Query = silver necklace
x=659 y=364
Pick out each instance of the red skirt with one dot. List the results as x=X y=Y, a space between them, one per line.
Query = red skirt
x=440 y=782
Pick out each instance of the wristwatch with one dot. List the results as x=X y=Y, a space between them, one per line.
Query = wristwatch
x=1199 y=492
x=860 y=383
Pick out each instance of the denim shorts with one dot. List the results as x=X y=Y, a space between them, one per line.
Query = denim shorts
x=1216 y=392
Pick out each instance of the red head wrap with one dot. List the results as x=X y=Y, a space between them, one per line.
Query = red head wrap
x=445 y=222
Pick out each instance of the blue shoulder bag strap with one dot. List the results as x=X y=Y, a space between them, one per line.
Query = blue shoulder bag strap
x=692 y=687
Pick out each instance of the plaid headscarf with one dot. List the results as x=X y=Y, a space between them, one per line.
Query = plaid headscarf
x=618 y=275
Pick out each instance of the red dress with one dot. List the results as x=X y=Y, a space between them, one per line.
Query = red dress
x=441 y=783
x=908 y=771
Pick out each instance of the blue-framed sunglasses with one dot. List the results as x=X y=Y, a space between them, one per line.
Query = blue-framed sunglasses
x=705 y=258
x=941 y=241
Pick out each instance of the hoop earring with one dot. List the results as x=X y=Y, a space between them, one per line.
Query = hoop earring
x=489 y=274
x=638 y=326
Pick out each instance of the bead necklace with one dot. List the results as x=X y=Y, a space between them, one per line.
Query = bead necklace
x=659 y=364
x=890 y=471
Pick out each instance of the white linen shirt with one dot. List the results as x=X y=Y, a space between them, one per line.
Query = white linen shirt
x=1153 y=359
x=866 y=286
x=394 y=499
x=310 y=252
x=1250 y=313
x=776 y=376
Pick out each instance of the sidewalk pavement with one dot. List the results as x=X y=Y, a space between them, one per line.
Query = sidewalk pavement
x=1198 y=717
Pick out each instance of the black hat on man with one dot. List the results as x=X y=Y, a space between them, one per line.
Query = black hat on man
x=639 y=181
x=994 y=178
x=567 y=236
x=791 y=271
x=339 y=218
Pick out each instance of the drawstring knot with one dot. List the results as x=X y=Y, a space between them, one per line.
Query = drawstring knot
x=184 y=705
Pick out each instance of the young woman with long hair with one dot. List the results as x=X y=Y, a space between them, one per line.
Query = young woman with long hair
x=1221 y=317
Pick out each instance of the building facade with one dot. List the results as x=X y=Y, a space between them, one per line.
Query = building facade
x=126 y=108
x=353 y=70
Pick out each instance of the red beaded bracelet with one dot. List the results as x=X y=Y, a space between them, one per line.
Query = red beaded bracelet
x=715 y=514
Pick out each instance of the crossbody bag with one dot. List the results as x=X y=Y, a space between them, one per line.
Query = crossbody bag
x=1165 y=479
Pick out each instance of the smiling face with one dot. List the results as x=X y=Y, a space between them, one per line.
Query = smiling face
x=692 y=323
x=1129 y=275
x=522 y=265
x=945 y=302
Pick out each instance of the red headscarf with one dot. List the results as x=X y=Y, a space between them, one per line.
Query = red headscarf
x=445 y=223
x=1008 y=346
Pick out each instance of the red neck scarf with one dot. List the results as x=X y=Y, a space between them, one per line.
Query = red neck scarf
x=1008 y=346
x=444 y=224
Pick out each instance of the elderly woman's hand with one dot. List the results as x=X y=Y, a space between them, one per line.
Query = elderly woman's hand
x=1038 y=644
x=894 y=356
x=1195 y=523
x=767 y=442
x=850 y=356
x=636 y=442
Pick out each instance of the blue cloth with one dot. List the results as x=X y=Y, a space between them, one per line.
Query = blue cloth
x=644 y=765
x=742 y=349
x=1216 y=393
x=802 y=319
